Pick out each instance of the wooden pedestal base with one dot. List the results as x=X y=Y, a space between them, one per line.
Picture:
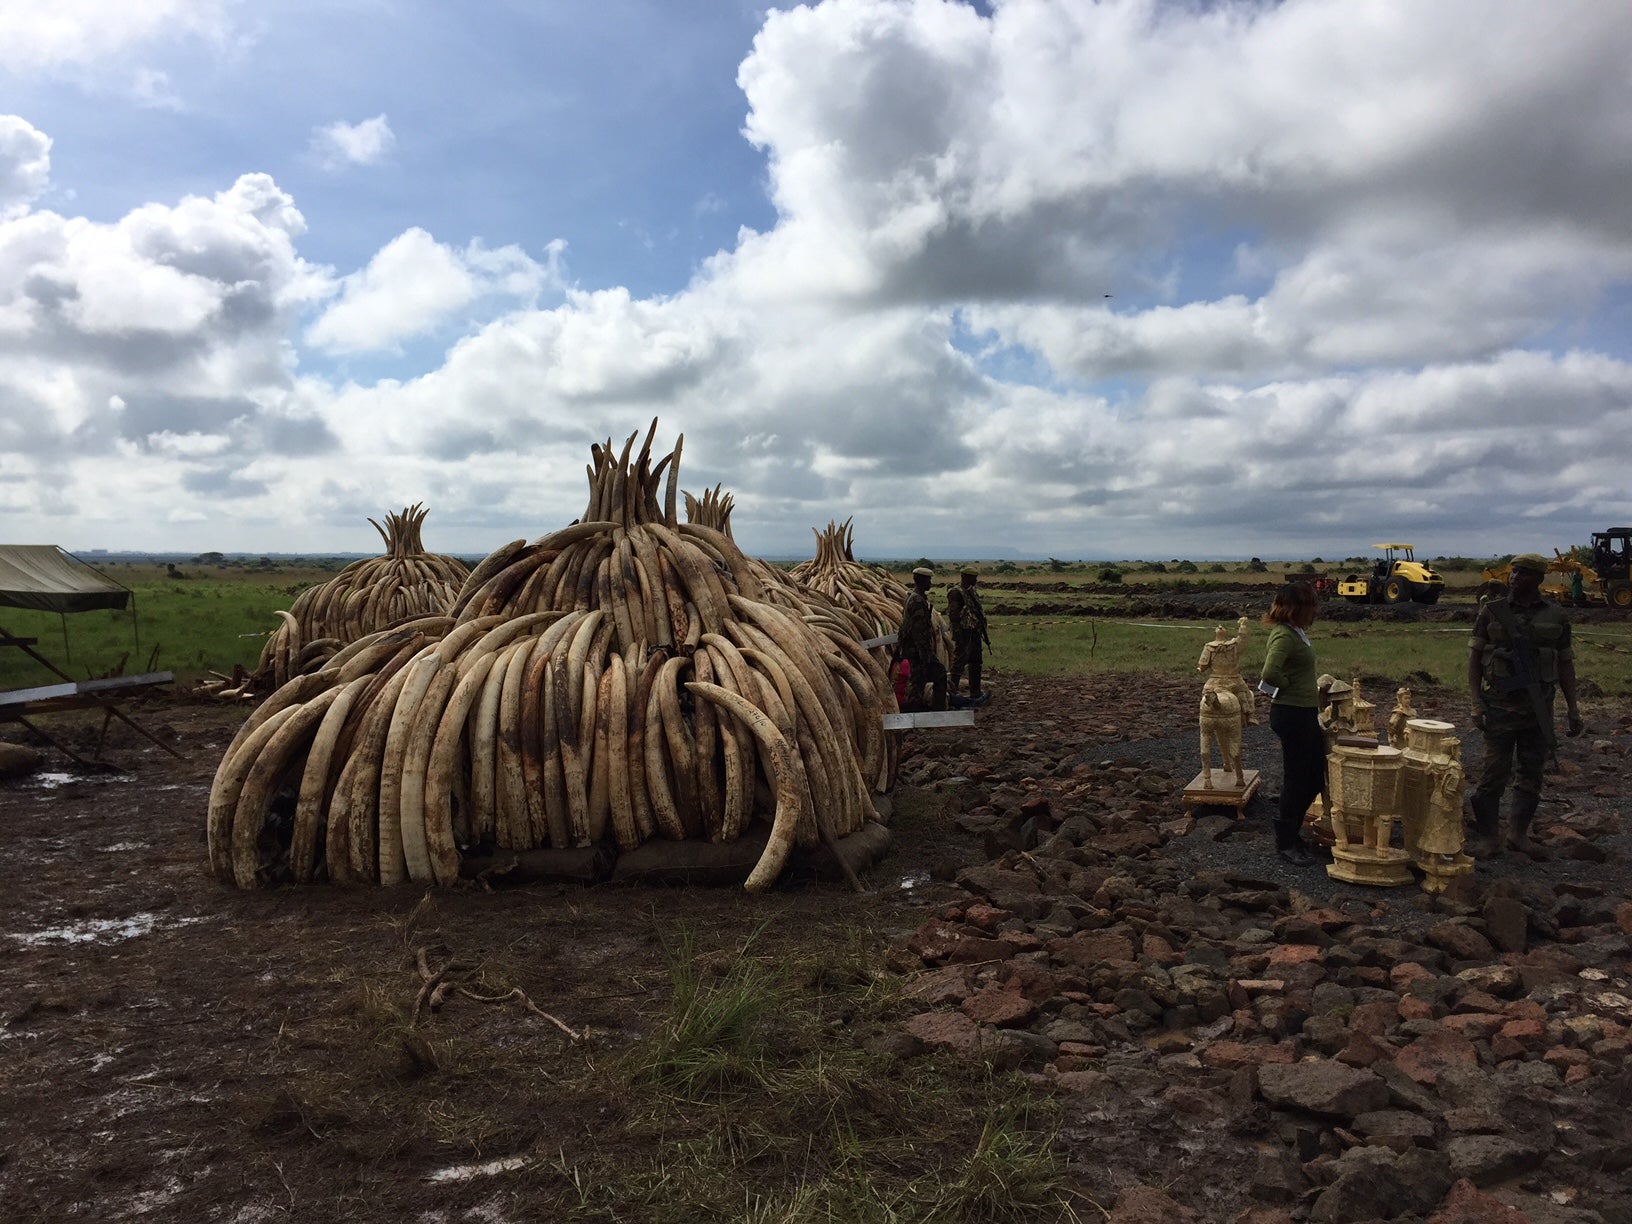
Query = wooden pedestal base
x=1223 y=792
x=1381 y=868
x=1438 y=870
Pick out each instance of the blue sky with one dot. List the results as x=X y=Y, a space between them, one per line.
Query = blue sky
x=268 y=270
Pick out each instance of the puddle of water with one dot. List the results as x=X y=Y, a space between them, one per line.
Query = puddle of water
x=51 y=781
x=465 y=1172
x=98 y=930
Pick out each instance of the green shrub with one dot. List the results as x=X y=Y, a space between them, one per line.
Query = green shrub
x=1110 y=575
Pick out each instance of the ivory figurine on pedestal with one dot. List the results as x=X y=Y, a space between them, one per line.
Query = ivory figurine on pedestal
x=1221 y=660
x=1401 y=714
x=1433 y=802
x=1221 y=724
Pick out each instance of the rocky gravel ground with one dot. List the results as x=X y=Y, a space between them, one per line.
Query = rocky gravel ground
x=1263 y=1042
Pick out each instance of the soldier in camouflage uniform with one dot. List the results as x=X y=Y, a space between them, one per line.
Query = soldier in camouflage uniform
x=968 y=631
x=1520 y=650
x=915 y=642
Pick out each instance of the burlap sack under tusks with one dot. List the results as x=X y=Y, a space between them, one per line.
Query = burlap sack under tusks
x=627 y=679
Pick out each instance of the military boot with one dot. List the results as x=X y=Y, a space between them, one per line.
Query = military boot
x=1518 y=833
x=1486 y=841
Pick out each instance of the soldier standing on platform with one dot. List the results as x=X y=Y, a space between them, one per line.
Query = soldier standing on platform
x=915 y=642
x=968 y=632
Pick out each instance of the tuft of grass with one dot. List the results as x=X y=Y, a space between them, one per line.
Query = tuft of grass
x=1013 y=1174
x=716 y=1040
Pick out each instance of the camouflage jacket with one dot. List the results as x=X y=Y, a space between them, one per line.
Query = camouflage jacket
x=963 y=609
x=915 y=641
x=1546 y=627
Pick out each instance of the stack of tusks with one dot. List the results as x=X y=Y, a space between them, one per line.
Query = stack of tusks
x=628 y=675
x=869 y=590
x=366 y=596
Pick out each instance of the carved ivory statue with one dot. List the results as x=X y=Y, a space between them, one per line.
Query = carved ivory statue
x=1221 y=724
x=1401 y=714
x=1221 y=660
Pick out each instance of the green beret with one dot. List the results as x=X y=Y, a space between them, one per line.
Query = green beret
x=1530 y=561
x=923 y=571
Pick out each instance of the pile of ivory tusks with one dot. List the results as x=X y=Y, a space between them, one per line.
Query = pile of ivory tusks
x=368 y=595
x=872 y=592
x=628 y=677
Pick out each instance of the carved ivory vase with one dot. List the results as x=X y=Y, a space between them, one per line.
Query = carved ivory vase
x=1431 y=802
x=1365 y=784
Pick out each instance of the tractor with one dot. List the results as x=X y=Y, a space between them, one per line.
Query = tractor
x=1611 y=557
x=1396 y=577
x=1606 y=578
x=1556 y=583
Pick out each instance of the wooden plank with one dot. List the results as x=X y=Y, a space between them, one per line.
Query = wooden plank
x=929 y=718
x=115 y=683
x=83 y=688
x=44 y=692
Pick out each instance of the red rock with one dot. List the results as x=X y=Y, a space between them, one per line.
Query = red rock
x=1020 y=941
x=1563 y=1057
x=1294 y=954
x=1413 y=1008
x=1467 y=1204
x=999 y=1008
x=934 y=940
x=1086 y=949
x=1148 y=1205
x=1081 y=1048
x=1258 y=986
x=1373 y=1019
x=1406 y=972
x=946 y=1030
x=1159 y=950
x=1623 y=917
x=986 y=917
x=1263 y=1213
x=1431 y=1053
x=1231 y=1055
x=1362 y=1051
x=1478 y=1001
x=1533 y=1032
x=1525 y=1009
x=948 y=984
x=1081 y=1081
x=1577 y=1073
x=1030 y=979
x=1327 y=919
x=1474 y=1025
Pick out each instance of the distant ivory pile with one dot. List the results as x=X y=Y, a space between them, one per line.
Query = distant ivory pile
x=869 y=590
x=629 y=676
x=366 y=596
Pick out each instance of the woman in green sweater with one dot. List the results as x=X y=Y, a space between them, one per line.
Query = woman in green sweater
x=1289 y=679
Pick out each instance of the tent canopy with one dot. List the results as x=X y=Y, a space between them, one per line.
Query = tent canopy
x=44 y=578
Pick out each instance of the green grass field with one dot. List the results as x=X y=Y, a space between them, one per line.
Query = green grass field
x=213 y=618
x=187 y=626
x=1075 y=646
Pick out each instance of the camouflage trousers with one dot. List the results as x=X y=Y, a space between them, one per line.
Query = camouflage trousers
x=966 y=654
x=1510 y=739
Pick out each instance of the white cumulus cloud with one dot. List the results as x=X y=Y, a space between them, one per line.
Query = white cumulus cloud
x=414 y=284
x=341 y=144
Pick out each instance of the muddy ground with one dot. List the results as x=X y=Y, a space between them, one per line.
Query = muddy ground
x=171 y=1049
